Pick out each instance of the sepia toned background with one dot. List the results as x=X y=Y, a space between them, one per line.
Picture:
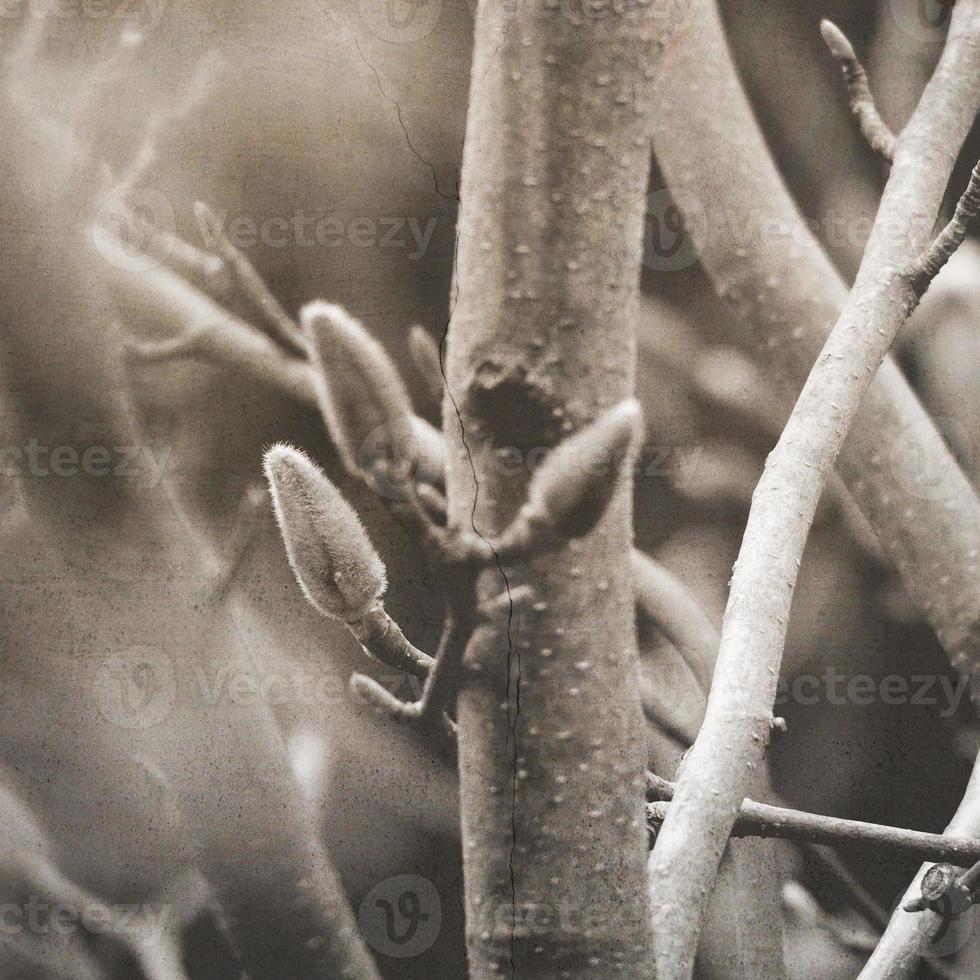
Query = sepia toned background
x=327 y=137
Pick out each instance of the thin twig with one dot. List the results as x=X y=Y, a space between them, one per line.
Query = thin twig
x=425 y=354
x=858 y=896
x=382 y=638
x=207 y=329
x=873 y=128
x=278 y=323
x=927 y=266
x=763 y=820
x=665 y=601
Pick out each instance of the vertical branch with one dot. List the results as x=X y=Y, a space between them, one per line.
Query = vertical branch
x=908 y=935
x=719 y=769
x=766 y=264
x=540 y=341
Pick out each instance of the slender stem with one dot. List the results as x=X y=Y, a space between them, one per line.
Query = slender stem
x=859 y=897
x=383 y=639
x=207 y=329
x=873 y=128
x=762 y=820
x=667 y=602
x=733 y=740
x=277 y=322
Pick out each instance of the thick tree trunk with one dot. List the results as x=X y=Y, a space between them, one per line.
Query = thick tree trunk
x=541 y=340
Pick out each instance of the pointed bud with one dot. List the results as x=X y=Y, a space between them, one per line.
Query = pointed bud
x=572 y=488
x=837 y=42
x=329 y=551
x=366 y=406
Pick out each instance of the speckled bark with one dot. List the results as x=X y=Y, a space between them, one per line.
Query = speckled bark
x=552 y=747
x=900 y=951
x=765 y=262
x=732 y=743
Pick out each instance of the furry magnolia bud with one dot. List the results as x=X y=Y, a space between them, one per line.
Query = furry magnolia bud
x=362 y=397
x=572 y=488
x=329 y=551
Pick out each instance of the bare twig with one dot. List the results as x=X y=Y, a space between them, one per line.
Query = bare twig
x=206 y=329
x=858 y=896
x=425 y=354
x=764 y=820
x=733 y=739
x=382 y=638
x=873 y=128
x=665 y=601
x=909 y=933
x=927 y=266
x=275 y=320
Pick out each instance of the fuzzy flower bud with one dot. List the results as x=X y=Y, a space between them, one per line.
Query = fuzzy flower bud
x=572 y=488
x=367 y=408
x=329 y=551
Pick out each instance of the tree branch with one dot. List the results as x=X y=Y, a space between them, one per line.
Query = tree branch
x=909 y=934
x=764 y=820
x=785 y=295
x=732 y=742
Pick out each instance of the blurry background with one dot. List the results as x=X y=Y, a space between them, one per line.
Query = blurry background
x=310 y=111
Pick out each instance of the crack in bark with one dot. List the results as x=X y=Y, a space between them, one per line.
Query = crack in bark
x=511 y=645
x=408 y=139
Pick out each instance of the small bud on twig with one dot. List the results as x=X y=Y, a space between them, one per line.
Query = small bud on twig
x=329 y=551
x=873 y=128
x=366 y=406
x=570 y=491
